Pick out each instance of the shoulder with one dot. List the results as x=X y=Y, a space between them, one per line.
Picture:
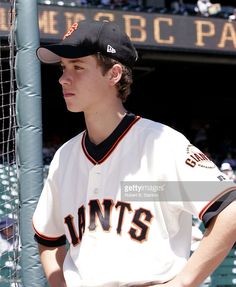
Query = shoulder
x=68 y=148
x=72 y=142
x=160 y=131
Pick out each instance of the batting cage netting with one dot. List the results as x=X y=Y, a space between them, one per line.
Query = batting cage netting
x=9 y=196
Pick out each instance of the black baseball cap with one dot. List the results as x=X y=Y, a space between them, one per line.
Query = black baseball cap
x=88 y=38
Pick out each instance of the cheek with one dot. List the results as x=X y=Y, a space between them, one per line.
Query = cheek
x=90 y=86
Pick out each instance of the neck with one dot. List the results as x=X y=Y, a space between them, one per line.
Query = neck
x=101 y=125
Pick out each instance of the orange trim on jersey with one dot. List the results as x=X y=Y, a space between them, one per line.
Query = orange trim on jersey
x=209 y=204
x=85 y=150
x=45 y=237
x=113 y=146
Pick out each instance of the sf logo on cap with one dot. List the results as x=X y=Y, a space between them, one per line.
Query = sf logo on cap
x=71 y=30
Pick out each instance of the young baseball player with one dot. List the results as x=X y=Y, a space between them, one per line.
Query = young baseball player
x=122 y=193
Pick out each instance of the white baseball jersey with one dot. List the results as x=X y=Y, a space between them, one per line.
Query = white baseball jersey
x=128 y=216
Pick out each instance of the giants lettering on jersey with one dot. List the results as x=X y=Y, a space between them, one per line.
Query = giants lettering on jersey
x=102 y=213
x=196 y=157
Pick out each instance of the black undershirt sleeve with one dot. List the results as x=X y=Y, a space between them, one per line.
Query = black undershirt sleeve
x=218 y=206
x=50 y=243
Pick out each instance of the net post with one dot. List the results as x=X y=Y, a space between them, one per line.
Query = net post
x=29 y=135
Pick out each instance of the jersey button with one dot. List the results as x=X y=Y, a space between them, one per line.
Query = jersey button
x=95 y=190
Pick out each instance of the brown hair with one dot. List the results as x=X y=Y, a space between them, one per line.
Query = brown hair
x=126 y=79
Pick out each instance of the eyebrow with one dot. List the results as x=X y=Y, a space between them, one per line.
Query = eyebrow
x=73 y=61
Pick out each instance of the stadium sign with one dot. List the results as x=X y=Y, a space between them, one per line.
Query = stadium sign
x=149 y=31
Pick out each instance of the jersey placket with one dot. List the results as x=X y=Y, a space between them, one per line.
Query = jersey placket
x=94 y=182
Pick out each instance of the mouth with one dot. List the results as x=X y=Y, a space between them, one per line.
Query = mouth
x=67 y=95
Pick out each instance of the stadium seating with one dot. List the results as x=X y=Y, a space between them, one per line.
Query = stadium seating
x=8 y=189
x=186 y=8
x=225 y=274
x=9 y=206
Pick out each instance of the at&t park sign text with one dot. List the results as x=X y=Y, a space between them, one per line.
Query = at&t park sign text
x=146 y=30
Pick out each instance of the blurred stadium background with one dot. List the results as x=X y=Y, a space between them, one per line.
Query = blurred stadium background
x=187 y=64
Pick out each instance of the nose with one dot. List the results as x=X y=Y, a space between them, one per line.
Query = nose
x=65 y=79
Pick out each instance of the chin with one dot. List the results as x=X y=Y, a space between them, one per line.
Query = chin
x=73 y=109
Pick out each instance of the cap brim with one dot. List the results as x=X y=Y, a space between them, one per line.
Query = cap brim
x=47 y=56
x=52 y=54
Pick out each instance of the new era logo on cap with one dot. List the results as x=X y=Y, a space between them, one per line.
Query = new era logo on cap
x=110 y=49
x=88 y=38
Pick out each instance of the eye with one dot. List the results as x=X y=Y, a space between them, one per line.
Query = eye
x=76 y=67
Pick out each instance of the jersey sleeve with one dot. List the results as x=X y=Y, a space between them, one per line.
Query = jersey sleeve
x=48 y=225
x=195 y=184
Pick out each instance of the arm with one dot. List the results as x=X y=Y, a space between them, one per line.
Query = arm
x=52 y=259
x=218 y=240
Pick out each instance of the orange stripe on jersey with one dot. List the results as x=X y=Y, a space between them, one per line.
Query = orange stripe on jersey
x=45 y=237
x=209 y=204
x=85 y=150
x=113 y=146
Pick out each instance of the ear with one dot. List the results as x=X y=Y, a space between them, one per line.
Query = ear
x=115 y=74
